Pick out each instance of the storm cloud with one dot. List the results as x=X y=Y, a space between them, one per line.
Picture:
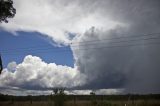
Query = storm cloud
x=113 y=44
x=129 y=62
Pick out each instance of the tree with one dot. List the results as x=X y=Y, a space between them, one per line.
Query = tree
x=93 y=98
x=6 y=10
x=59 y=96
x=1 y=66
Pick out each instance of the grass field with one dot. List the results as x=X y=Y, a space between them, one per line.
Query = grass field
x=85 y=103
x=81 y=100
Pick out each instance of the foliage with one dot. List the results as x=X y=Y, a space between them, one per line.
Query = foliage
x=6 y=10
x=59 y=96
x=93 y=98
x=81 y=100
x=1 y=66
x=82 y=97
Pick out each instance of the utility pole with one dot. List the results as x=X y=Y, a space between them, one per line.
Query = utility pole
x=1 y=66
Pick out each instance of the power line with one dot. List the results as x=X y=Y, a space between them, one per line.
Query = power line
x=117 y=42
x=88 y=42
x=129 y=36
x=95 y=48
x=123 y=41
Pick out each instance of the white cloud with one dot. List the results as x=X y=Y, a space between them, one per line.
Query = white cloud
x=56 y=18
x=109 y=91
x=97 y=92
x=12 y=66
x=23 y=92
x=33 y=72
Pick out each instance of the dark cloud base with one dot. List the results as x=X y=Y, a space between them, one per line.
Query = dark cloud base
x=134 y=68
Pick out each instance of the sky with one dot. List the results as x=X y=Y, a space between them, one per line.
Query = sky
x=108 y=46
x=16 y=47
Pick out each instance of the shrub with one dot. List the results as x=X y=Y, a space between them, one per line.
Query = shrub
x=59 y=96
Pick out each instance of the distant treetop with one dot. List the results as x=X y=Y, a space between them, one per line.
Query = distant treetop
x=6 y=10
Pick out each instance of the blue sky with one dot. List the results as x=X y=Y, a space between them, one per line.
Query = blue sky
x=16 y=47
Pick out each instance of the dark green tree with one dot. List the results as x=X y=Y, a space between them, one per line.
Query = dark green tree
x=93 y=98
x=6 y=10
x=1 y=66
x=59 y=96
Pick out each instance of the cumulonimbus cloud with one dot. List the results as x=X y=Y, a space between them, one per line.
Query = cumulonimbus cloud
x=134 y=68
x=128 y=62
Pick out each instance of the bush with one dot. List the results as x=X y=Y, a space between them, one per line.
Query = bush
x=59 y=96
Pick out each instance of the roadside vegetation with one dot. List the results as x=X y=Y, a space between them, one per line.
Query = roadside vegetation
x=59 y=98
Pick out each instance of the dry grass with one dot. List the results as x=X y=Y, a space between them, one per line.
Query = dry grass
x=86 y=103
